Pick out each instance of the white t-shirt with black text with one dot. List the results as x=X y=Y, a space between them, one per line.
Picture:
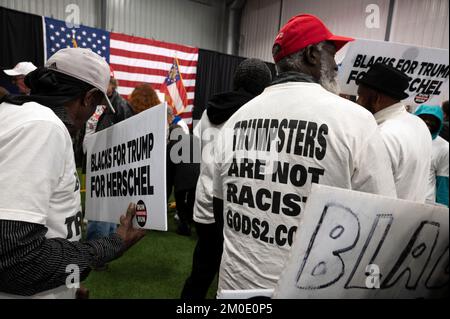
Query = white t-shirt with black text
x=269 y=154
x=38 y=178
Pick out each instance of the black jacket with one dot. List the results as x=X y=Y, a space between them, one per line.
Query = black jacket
x=222 y=106
x=445 y=131
x=123 y=111
x=107 y=119
x=183 y=175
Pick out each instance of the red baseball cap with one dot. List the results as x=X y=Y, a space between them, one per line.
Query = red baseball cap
x=304 y=30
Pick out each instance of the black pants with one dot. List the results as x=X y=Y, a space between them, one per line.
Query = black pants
x=185 y=205
x=205 y=262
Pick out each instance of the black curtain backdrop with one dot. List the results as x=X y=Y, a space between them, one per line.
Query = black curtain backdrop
x=21 y=39
x=214 y=75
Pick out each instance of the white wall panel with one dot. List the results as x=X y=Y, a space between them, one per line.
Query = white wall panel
x=200 y=23
x=343 y=17
x=196 y=23
x=421 y=22
x=89 y=9
x=261 y=20
x=418 y=22
x=259 y=27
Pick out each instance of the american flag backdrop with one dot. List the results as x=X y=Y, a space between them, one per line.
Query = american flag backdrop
x=134 y=60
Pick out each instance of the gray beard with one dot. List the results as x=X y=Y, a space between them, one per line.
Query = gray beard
x=328 y=79
x=331 y=86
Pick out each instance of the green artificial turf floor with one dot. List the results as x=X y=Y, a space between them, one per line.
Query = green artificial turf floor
x=155 y=268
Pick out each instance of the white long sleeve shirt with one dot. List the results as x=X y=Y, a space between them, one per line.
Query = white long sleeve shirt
x=408 y=142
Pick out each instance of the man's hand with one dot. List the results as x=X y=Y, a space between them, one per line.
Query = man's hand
x=126 y=231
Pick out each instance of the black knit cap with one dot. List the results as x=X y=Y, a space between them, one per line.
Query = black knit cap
x=252 y=75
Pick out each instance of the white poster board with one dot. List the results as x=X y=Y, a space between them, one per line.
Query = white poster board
x=127 y=163
x=428 y=68
x=245 y=294
x=358 y=245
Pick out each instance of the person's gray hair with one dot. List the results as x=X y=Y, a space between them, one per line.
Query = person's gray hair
x=294 y=61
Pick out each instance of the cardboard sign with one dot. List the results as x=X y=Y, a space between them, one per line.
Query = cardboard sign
x=358 y=245
x=245 y=294
x=428 y=68
x=127 y=163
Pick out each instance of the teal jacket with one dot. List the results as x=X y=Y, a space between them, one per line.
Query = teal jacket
x=442 y=182
x=434 y=110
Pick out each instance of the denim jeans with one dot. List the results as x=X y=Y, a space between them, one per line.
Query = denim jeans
x=96 y=230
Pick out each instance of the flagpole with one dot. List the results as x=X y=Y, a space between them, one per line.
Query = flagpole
x=74 y=41
x=44 y=33
x=181 y=78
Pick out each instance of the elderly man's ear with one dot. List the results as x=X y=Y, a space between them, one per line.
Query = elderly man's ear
x=312 y=55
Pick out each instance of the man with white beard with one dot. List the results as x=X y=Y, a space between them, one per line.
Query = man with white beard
x=296 y=133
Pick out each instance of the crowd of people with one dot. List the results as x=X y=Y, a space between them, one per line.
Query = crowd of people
x=370 y=144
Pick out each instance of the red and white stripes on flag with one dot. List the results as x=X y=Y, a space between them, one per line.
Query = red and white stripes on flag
x=174 y=89
x=138 y=60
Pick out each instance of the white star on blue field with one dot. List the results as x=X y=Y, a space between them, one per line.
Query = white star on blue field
x=59 y=36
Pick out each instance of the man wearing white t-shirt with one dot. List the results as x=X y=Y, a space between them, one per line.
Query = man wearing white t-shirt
x=40 y=211
x=296 y=133
x=406 y=137
x=252 y=76
x=437 y=191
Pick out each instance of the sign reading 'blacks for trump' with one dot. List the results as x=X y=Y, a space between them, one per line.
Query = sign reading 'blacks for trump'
x=127 y=163
x=358 y=245
x=428 y=68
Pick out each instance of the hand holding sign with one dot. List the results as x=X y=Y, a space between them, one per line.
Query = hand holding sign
x=126 y=231
x=127 y=163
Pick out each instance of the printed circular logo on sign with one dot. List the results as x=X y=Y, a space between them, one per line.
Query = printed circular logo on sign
x=421 y=98
x=141 y=213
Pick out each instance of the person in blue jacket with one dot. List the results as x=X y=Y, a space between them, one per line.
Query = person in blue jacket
x=433 y=117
